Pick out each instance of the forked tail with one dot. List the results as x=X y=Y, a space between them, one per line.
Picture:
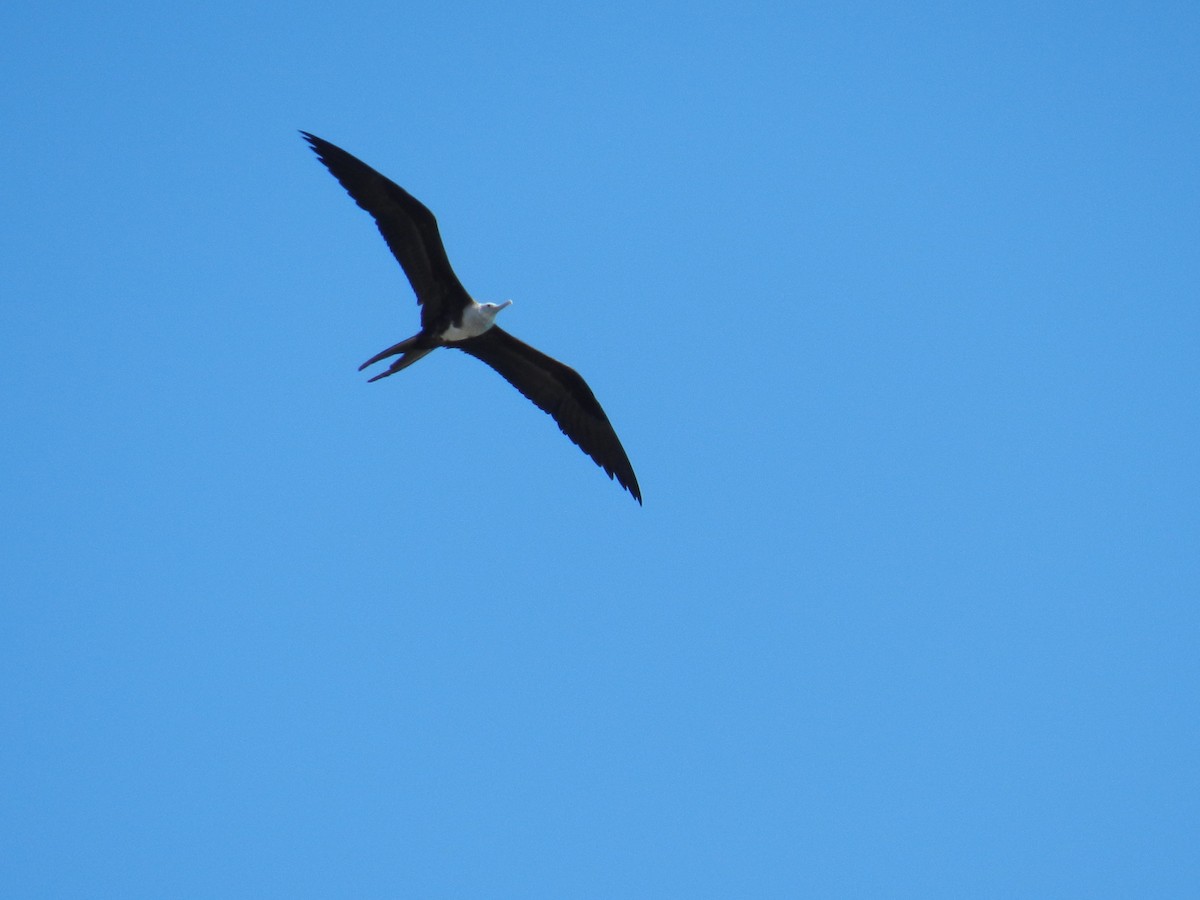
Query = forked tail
x=412 y=350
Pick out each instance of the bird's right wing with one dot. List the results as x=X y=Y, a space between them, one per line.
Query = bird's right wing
x=410 y=229
x=560 y=391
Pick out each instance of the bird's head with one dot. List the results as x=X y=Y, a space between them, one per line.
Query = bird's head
x=491 y=309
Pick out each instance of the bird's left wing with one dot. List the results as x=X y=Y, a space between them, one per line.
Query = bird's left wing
x=410 y=229
x=560 y=391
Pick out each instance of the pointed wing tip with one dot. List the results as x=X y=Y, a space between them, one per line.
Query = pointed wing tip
x=630 y=484
x=316 y=145
x=633 y=487
x=319 y=146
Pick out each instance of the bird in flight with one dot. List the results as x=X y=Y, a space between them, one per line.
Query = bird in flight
x=451 y=318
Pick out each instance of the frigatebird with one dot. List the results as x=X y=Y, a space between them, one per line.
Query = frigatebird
x=451 y=318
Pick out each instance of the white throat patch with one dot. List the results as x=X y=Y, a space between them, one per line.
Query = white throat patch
x=477 y=318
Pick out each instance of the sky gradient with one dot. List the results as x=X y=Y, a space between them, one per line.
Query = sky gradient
x=894 y=308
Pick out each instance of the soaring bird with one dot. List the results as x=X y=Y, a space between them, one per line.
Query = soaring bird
x=451 y=318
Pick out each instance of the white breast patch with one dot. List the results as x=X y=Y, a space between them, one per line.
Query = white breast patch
x=474 y=323
x=477 y=318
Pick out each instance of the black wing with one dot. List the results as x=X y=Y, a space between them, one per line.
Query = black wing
x=409 y=228
x=560 y=391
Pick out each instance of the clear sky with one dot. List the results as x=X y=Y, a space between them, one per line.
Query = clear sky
x=894 y=307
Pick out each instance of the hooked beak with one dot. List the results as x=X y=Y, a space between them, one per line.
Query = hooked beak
x=504 y=305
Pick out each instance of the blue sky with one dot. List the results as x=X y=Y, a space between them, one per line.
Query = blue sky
x=894 y=308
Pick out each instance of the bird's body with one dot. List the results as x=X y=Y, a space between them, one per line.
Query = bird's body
x=451 y=318
x=476 y=319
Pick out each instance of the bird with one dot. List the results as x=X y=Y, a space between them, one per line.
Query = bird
x=450 y=317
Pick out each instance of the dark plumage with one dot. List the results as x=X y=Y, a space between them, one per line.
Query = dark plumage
x=450 y=318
